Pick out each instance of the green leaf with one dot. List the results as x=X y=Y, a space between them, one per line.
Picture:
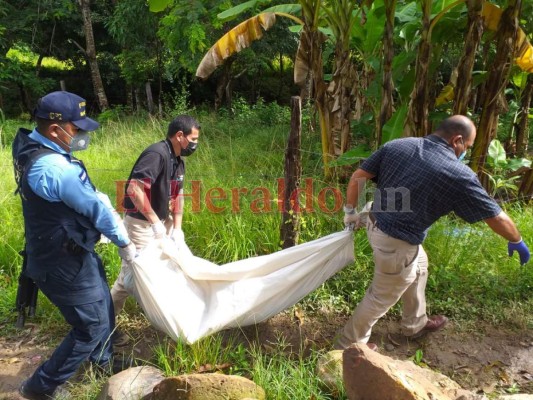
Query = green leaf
x=520 y=80
x=296 y=28
x=158 y=5
x=285 y=8
x=352 y=156
x=516 y=163
x=497 y=153
x=374 y=26
x=393 y=129
x=409 y=13
x=234 y=11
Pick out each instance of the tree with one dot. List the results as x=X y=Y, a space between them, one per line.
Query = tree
x=497 y=81
x=135 y=29
x=417 y=123
x=90 y=52
x=466 y=64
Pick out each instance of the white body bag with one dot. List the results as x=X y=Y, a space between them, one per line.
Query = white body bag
x=188 y=297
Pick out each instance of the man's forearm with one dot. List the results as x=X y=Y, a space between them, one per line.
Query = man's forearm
x=356 y=186
x=142 y=203
x=177 y=212
x=504 y=226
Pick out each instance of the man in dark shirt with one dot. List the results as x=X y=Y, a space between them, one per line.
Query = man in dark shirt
x=418 y=181
x=154 y=193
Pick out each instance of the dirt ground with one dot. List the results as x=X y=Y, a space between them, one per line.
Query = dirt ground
x=490 y=360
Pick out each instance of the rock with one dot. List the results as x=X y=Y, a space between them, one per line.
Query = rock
x=132 y=384
x=207 y=386
x=370 y=375
x=516 y=397
x=329 y=370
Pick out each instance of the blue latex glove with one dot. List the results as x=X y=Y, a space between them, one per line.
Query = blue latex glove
x=522 y=250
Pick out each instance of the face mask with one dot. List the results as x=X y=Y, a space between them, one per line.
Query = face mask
x=461 y=156
x=191 y=148
x=79 y=142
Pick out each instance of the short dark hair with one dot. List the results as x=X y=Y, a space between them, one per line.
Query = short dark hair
x=184 y=123
x=44 y=124
x=455 y=125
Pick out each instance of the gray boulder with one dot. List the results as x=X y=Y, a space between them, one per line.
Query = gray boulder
x=132 y=384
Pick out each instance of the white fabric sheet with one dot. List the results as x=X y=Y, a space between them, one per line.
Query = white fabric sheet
x=188 y=297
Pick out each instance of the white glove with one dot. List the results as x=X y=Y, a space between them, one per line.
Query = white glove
x=177 y=235
x=355 y=220
x=351 y=218
x=128 y=253
x=159 y=230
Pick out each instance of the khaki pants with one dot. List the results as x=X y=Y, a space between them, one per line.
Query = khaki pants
x=141 y=234
x=400 y=273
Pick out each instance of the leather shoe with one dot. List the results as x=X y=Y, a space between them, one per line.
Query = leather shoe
x=58 y=393
x=435 y=323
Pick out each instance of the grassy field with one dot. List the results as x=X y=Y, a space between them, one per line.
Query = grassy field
x=471 y=277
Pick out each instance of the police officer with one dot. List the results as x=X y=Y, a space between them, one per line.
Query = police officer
x=153 y=199
x=63 y=220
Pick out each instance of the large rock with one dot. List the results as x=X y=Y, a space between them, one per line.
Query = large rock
x=370 y=375
x=207 y=387
x=132 y=384
x=329 y=370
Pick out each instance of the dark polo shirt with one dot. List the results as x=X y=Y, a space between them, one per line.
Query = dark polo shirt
x=162 y=174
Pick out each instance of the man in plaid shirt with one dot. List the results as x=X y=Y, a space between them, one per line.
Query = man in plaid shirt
x=418 y=181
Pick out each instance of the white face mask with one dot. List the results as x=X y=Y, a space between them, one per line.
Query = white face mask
x=78 y=142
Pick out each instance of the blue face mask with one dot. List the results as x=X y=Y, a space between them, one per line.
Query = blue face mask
x=461 y=156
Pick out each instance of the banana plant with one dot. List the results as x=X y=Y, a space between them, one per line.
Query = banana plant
x=334 y=99
x=500 y=168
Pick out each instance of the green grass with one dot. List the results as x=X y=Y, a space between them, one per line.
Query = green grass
x=471 y=278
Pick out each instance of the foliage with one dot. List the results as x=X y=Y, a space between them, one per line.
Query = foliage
x=499 y=167
x=187 y=29
x=207 y=355
x=135 y=30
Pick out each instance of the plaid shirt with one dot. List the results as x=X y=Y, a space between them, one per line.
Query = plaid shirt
x=418 y=181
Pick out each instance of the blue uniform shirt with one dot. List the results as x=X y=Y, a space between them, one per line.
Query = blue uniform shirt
x=54 y=178
x=418 y=181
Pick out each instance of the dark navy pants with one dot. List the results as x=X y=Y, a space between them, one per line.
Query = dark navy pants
x=89 y=339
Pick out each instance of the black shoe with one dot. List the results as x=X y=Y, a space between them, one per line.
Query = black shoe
x=58 y=394
x=117 y=364
x=119 y=338
x=123 y=362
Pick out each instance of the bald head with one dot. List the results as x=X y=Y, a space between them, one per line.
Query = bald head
x=456 y=125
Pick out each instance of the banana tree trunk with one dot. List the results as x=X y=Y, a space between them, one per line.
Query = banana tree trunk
x=522 y=133
x=417 y=114
x=466 y=64
x=340 y=98
x=308 y=68
x=497 y=82
x=388 y=55
x=90 y=51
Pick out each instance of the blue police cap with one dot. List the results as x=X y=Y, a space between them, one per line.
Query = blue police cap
x=65 y=107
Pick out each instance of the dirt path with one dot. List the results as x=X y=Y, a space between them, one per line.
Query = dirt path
x=490 y=360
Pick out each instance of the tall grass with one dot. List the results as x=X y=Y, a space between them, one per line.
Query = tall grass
x=471 y=278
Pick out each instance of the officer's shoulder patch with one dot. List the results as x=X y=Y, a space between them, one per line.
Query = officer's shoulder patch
x=83 y=176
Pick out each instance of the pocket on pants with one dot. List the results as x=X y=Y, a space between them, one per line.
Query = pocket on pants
x=386 y=261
